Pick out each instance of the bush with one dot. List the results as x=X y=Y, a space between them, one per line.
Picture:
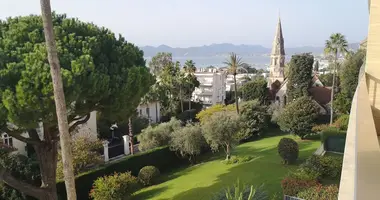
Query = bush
x=84 y=153
x=256 y=89
x=342 y=122
x=149 y=175
x=164 y=159
x=117 y=186
x=292 y=186
x=156 y=136
x=332 y=132
x=326 y=166
x=208 y=112
x=188 y=141
x=299 y=116
x=319 y=128
x=288 y=150
x=255 y=119
x=320 y=193
x=241 y=192
x=304 y=174
x=238 y=159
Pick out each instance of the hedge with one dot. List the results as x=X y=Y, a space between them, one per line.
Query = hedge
x=162 y=158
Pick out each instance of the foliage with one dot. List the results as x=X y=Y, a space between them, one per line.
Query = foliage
x=325 y=166
x=304 y=173
x=85 y=153
x=300 y=71
x=242 y=192
x=329 y=192
x=342 y=103
x=331 y=132
x=159 y=62
x=188 y=141
x=255 y=90
x=320 y=128
x=238 y=159
x=149 y=175
x=350 y=73
x=275 y=111
x=24 y=168
x=288 y=150
x=159 y=135
x=254 y=119
x=316 y=66
x=326 y=79
x=164 y=159
x=292 y=186
x=299 y=116
x=99 y=71
x=119 y=186
x=342 y=122
x=206 y=113
x=221 y=130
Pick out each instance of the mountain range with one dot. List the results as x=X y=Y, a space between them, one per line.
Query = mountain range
x=224 y=48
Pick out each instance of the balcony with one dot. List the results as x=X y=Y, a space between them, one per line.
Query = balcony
x=361 y=163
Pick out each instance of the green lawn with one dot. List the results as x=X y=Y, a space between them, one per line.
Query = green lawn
x=201 y=181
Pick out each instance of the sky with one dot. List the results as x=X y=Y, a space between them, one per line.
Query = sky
x=185 y=23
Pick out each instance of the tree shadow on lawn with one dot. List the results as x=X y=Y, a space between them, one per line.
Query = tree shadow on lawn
x=149 y=193
x=267 y=169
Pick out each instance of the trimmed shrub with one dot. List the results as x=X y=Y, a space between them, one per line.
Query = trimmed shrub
x=329 y=192
x=304 y=174
x=149 y=175
x=342 y=122
x=288 y=150
x=292 y=186
x=117 y=187
x=332 y=132
x=164 y=159
x=299 y=116
x=325 y=166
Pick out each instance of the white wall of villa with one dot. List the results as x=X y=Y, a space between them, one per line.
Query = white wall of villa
x=151 y=111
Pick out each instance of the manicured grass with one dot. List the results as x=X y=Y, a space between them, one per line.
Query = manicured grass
x=202 y=181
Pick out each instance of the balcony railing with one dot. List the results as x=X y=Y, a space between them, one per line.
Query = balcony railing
x=361 y=164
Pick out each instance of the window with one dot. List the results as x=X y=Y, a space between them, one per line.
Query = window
x=7 y=139
x=147 y=112
x=284 y=100
x=140 y=112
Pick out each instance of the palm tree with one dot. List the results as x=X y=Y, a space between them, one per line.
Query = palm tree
x=234 y=64
x=336 y=45
x=59 y=98
x=130 y=134
x=190 y=69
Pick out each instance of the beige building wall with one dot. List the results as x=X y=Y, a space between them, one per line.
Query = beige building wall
x=373 y=61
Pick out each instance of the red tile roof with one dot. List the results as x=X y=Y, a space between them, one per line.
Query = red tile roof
x=320 y=94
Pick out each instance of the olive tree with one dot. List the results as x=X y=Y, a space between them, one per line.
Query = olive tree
x=188 y=141
x=100 y=72
x=221 y=131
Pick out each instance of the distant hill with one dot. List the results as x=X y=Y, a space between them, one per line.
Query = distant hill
x=225 y=48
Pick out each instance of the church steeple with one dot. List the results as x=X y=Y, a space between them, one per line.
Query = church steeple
x=277 y=62
x=278 y=42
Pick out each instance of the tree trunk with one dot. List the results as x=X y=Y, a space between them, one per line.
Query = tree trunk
x=228 y=151
x=236 y=99
x=47 y=158
x=60 y=102
x=180 y=97
x=332 y=91
x=131 y=134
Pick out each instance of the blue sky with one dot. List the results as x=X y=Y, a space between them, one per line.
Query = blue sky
x=183 y=23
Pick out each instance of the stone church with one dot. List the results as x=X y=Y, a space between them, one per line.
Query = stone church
x=277 y=82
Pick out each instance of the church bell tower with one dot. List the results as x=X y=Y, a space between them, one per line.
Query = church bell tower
x=277 y=58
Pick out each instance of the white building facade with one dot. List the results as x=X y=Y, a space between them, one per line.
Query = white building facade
x=212 y=87
x=151 y=111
